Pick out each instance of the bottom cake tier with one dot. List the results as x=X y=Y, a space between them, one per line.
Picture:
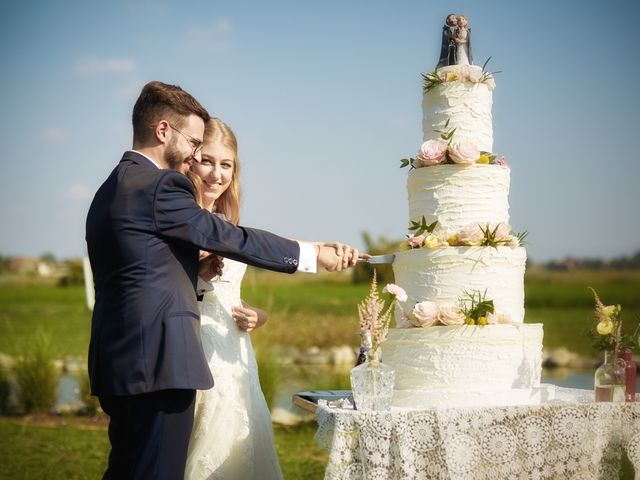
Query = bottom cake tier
x=448 y=366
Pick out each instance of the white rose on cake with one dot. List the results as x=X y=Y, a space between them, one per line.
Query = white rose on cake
x=464 y=152
x=498 y=318
x=424 y=314
x=449 y=314
x=471 y=235
x=475 y=75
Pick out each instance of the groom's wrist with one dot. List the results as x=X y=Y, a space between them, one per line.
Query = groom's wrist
x=308 y=257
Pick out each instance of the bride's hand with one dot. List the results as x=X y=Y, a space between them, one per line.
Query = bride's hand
x=248 y=319
x=210 y=266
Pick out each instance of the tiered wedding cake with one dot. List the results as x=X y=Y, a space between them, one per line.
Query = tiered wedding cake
x=460 y=337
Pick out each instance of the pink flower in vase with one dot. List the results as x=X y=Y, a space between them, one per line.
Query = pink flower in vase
x=396 y=291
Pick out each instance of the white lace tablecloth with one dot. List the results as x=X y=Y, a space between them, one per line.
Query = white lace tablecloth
x=570 y=438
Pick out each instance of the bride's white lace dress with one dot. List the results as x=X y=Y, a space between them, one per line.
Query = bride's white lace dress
x=232 y=435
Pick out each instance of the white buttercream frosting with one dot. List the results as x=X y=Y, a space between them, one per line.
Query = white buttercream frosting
x=448 y=366
x=459 y=195
x=467 y=107
x=443 y=275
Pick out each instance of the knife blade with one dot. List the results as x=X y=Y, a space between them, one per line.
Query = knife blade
x=379 y=259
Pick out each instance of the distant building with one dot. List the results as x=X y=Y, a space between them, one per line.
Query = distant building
x=30 y=265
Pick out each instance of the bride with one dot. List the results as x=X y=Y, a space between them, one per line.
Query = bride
x=232 y=435
x=463 y=42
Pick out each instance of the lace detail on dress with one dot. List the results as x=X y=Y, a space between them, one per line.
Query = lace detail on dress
x=232 y=435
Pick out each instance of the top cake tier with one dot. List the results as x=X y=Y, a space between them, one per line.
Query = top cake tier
x=464 y=99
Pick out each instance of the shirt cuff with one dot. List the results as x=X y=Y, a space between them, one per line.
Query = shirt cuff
x=308 y=260
x=203 y=286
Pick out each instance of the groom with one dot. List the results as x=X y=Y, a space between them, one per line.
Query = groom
x=144 y=232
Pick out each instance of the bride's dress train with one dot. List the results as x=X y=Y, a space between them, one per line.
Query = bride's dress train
x=232 y=435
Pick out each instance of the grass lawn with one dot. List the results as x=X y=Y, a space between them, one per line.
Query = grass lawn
x=72 y=448
x=320 y=310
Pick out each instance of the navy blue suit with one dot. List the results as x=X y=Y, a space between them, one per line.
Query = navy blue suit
x=144 y=231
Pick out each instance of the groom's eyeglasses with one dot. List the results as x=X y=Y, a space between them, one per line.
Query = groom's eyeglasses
x=194 y=142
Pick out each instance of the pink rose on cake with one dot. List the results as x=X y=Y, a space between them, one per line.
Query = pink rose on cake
x=471 y=235
x=415 y=241
x=449 y=314
x=503 y=232
x=432 y=152
x=464 y=152
x=502 y=161
x=424 y=314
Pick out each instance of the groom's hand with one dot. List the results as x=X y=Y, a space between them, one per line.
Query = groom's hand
x=335 y=256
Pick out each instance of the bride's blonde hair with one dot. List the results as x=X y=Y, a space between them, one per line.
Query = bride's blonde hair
x=216 y=131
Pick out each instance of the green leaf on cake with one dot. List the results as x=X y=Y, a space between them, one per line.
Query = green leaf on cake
x=430 y=80
x=418 y=228
x=448 y=135
x=476 y=307
x=521 y=238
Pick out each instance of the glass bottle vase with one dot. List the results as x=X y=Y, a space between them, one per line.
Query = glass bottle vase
x=609 y=379
x=630 y=373
x=372 y=384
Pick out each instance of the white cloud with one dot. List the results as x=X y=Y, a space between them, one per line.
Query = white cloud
x=78 y=191
x=222 y=26
x=211 y=38
x=93 y=66
x=130 y=89
x=55 y=136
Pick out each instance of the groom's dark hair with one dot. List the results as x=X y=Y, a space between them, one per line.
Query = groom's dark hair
x=158 y=101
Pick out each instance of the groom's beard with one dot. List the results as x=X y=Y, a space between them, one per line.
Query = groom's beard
x=176 y=159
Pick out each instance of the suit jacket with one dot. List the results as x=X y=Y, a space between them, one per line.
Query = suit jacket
x=144 y=230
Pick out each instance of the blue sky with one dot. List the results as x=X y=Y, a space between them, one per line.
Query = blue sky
x=325 y=98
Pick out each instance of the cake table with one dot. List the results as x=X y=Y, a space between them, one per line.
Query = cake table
x=570 y=437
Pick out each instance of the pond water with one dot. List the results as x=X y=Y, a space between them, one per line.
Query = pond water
x=319 y=377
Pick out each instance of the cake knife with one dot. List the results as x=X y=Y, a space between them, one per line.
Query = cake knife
x=378 y=259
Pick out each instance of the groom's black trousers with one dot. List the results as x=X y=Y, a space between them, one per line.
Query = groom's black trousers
x=149 y=434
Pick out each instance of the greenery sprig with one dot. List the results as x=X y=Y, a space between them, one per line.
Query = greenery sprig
x=490 y=237
x=486 y=75
x=430 y=80
x=375 y=313
x=476 y=308
x=418 y=228
x=607 y=334
x=522 y=238
x=446 y=134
